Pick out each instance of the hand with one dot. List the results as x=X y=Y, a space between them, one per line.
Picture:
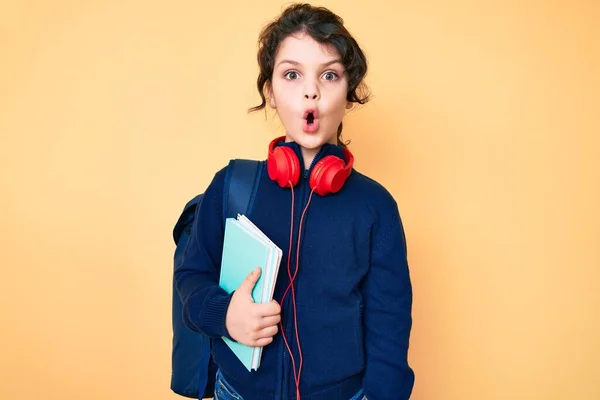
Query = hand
x=249 y=323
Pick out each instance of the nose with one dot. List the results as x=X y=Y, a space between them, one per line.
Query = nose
x=311 y=91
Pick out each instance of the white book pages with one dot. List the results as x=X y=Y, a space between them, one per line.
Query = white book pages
x=279 y=254
x=272 y=277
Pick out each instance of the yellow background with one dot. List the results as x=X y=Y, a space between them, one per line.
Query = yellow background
x=484 y=126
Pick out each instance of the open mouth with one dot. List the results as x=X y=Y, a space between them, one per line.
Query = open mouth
x=311 y=115
x=311 y=121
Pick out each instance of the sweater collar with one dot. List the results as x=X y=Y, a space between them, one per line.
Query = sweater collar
x=326 y=150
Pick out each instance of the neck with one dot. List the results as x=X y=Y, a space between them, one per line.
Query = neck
x=308 y=155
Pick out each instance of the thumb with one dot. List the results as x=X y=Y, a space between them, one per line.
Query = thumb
x=248 y=283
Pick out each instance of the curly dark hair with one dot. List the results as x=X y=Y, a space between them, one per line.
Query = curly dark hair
x=323 y=26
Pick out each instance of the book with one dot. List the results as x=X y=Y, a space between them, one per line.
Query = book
x=246 y=247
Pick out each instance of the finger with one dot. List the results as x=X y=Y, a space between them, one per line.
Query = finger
x=248 y=284
x=269 y=321
x=263 y=341
x=268 y=309
x=276 y=306
x=267 y=332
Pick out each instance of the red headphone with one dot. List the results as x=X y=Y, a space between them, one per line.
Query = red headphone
x=327 y=176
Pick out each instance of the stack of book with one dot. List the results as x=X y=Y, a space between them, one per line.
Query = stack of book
x=245 y=247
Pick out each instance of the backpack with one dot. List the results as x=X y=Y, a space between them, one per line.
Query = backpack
x=193 y=370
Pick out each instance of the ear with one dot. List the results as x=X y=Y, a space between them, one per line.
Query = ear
x=348 y=105
x=270 y=95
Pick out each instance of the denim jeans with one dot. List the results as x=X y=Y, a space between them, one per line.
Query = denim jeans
x=224 y=391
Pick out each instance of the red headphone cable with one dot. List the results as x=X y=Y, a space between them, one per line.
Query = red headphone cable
x=291 y=286
x=294 y=297
x=288 y=288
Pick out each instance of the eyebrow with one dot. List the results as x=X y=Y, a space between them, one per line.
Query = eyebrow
x=335 y=61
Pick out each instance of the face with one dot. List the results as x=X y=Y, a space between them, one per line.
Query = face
x=308 y=90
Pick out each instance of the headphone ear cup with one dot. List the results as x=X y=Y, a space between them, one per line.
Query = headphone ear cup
x=328 y=175
x=283 y=166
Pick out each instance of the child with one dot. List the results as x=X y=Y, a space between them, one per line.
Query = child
x=339 y=325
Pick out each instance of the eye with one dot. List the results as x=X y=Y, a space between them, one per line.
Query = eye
x=330 y=76
x=291 y=75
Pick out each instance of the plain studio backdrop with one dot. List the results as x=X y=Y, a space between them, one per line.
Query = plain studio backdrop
x=484 y=126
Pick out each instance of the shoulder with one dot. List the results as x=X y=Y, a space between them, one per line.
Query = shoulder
x=218 y=180
x=212 y=195
x=371 y=193
x=383 y=209
x=241 y=169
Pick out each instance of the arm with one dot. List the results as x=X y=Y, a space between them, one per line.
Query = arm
x=205 y=303
x=387 y=294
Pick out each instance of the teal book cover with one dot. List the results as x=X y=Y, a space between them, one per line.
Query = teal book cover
x=242 y=253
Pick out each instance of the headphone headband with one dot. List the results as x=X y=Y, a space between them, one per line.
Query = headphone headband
x=328 y=175
x=348 y=157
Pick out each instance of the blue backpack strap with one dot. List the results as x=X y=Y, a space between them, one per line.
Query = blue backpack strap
x=241 y=184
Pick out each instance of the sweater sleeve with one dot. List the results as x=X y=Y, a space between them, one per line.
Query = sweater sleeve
x=387 y=294
x=205 y=303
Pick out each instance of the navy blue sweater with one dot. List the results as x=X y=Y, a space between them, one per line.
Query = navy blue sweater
x=353 y=290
